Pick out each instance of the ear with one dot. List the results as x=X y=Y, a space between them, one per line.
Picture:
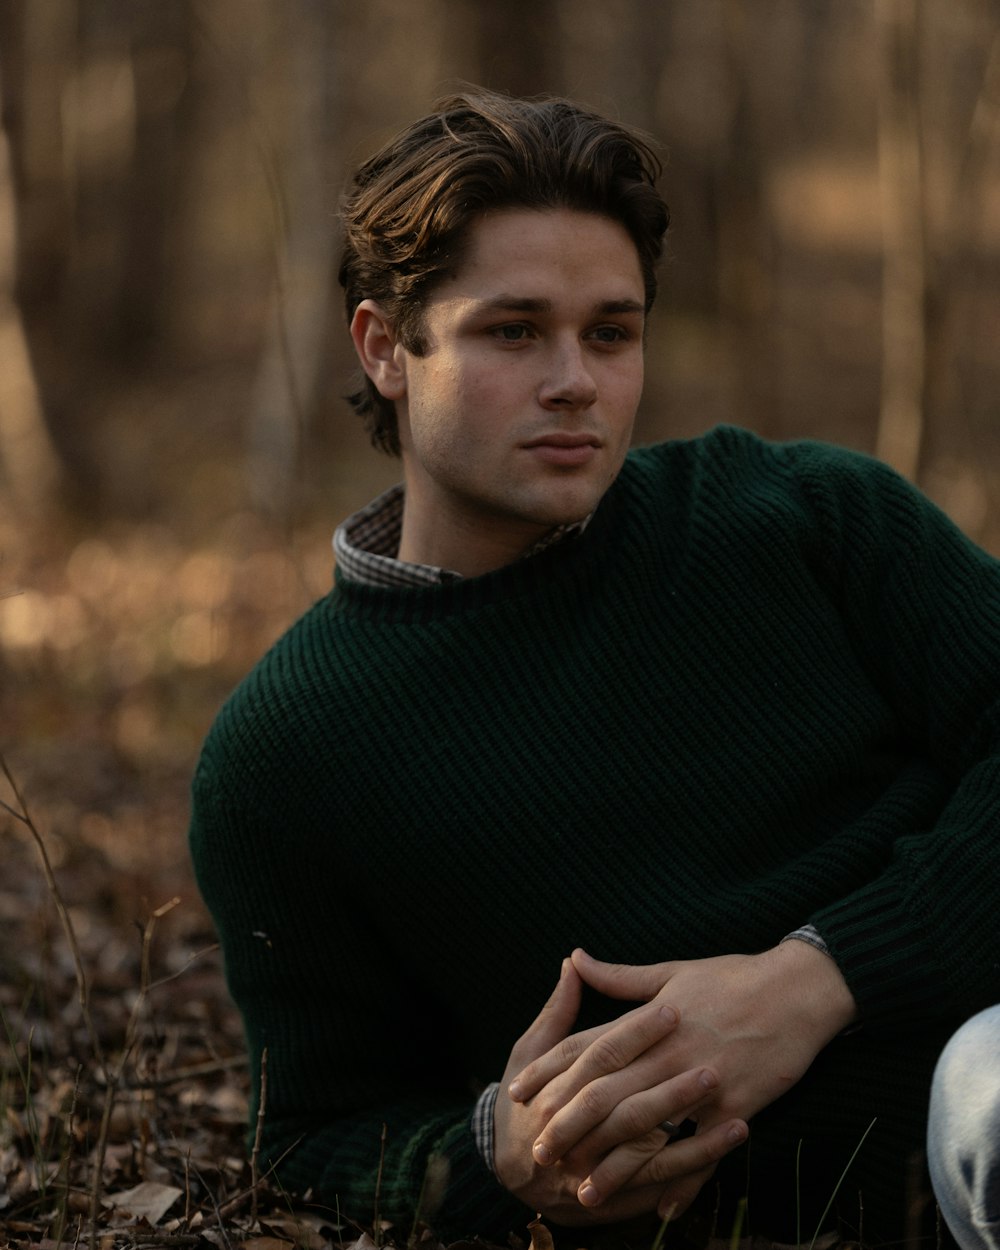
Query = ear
x=381 y=356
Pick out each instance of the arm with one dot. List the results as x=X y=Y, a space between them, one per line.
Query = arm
x=920 y=606
x=352 y=1045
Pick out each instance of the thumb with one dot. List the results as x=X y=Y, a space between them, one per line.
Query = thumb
x=634 y=982
x=555 y=1019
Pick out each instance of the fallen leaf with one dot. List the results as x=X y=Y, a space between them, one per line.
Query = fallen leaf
x=294 y=1230
x=148 y=1200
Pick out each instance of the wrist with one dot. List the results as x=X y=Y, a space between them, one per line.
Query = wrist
x=813 y=981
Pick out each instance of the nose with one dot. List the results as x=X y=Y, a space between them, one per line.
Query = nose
x=568 y=382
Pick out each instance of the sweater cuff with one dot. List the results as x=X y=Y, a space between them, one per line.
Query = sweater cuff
x=807 y=933
x=476 y=1202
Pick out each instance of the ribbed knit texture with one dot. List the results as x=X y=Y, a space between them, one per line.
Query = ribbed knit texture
x=760 y=690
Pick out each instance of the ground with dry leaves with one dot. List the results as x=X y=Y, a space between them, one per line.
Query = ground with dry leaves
x=123 y=1085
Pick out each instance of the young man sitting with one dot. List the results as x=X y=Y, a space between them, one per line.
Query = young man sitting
x=721 y=712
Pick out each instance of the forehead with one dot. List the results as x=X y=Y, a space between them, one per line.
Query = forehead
x=544 y=253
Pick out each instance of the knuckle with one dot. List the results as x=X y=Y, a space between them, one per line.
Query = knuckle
x=634 y=1124
x=608 y=1052
x=594 y=1100
x=571 y=1048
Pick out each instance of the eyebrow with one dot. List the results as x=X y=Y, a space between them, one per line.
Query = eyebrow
x=524 y=303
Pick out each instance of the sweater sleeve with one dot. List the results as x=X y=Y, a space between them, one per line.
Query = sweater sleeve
x=361 y=1104
x=921 y=604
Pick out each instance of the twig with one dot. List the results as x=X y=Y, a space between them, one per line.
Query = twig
x=61 y=1224
x=378 y=1187
x=258 y=1133
x=114 y=1077
x=211 y=1067
x=231 y=1206
x=192 y=958
x=102 y=1148
x=836 y=1188
x=166 y=1239
x=83 y=993
x=218 y=1210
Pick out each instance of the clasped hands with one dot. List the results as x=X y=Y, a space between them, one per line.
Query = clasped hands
x=577 y=1131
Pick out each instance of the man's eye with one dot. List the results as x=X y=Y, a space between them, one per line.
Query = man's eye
x=511 y=333
x=609 y=334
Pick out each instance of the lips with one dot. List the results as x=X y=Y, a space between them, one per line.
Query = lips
x=564 y=438
x=562 y=448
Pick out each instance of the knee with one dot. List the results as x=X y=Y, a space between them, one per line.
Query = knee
x=963 y=1136
x=966 y=1086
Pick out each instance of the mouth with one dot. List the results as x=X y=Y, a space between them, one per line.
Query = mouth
x=564 y=448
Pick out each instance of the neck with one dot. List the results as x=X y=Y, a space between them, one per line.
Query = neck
x=454 y=543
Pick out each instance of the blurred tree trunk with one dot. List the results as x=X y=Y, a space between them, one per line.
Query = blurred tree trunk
x=516 y=45
x=904 y=270
x=745 y=267
x=954 y=242
x=90 y=105
x=160 y=51
x=28 y=462
x=303 y=201
x=34 y=251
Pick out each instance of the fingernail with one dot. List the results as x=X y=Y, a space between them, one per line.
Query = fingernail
x=516 y=1090
x=669 y=1015
x=708 y=1080
x=542 y=1153
x=737 y=1134
x=588 y=1195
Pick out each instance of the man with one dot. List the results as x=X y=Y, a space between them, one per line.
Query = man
x=718 y=703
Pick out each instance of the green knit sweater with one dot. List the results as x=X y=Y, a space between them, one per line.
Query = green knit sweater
x=760 y=690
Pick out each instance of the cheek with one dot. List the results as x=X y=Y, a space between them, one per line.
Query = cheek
x=624 y=393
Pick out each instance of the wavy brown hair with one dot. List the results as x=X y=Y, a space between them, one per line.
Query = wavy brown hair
x=408 y=209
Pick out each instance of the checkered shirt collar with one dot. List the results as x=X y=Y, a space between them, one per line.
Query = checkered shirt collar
x=365 y=546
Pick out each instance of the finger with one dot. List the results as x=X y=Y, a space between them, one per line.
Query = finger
x=670 y=1163
x=619 y=1167
x=559 y=1059
x=583 y=1057
x=627 y=1118
x=690 y=1154
x=635 y=982
x=554 y=1020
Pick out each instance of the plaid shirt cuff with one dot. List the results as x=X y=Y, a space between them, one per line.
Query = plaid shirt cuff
x=482 y=1124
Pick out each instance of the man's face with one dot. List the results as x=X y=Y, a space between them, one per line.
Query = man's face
x=519 y=415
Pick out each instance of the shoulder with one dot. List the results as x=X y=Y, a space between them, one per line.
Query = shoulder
x=726 y=473
x=729 y=454
x=730 y=468
x=279 y=712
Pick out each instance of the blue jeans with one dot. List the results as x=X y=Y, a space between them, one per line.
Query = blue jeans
x=963 y=1133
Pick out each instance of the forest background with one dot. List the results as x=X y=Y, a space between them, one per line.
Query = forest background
x=175 y=449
